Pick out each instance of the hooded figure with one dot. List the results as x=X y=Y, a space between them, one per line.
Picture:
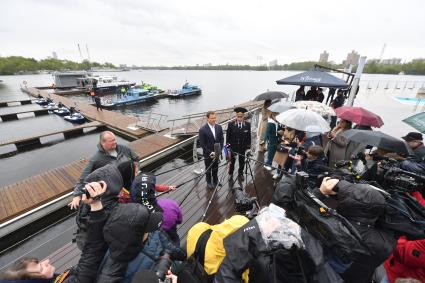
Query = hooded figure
x=270 y=246
x=209 y=239
x=123 y=232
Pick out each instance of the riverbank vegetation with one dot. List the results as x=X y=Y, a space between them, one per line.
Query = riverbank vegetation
x=19 y=65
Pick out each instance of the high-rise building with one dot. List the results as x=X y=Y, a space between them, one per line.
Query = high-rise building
x=273 y=63
x=54 y=55
x=324 y=57
x=352 y=58
x=392 y=61
x=418 y=60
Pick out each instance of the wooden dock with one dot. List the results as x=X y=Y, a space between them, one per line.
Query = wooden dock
x=22 y=101
x=27 y=194
x=13 y=114
x=222 y=206
x=30 y=141
x=144 y=147
x=116 y=121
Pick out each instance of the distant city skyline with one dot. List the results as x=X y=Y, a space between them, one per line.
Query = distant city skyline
x=189 y=32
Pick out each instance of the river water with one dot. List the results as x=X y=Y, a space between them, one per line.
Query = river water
x=220 y=89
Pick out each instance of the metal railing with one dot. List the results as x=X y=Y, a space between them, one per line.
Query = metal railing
x=196 y=120
x=152 y=122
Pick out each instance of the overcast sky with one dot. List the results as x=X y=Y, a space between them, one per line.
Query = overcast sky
x=188 y=32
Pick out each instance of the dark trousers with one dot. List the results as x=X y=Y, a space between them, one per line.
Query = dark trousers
x=212 y=171
x=241 y=158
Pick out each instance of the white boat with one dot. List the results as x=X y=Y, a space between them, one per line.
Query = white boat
x=76 y=118
x=68 y=79
x=103 y=84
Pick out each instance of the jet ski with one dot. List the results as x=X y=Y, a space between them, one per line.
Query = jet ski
x=62 y=111
x=76 y=118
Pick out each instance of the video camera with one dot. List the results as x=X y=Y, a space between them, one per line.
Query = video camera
x=397 y=179
x=244 y=204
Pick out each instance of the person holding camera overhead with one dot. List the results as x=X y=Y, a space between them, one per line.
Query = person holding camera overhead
x=211 y=140
x=238 y=138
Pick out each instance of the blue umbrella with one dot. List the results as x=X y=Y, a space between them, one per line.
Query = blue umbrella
x=314 y=78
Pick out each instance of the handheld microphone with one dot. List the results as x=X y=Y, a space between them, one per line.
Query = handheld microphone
x=217 y=149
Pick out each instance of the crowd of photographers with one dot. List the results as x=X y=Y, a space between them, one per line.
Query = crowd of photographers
x=341 y=212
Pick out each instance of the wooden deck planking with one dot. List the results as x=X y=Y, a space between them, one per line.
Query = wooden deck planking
x=59 y=181
x=112 y=119
x=45 y=134
x=34 y=191
x=221 y=208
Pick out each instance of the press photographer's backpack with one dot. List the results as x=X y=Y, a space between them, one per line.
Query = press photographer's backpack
x=405 y=216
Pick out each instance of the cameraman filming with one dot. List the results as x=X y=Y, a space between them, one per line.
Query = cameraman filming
x=361 y=205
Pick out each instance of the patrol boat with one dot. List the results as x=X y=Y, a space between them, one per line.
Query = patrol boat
x=103 y=84
x=134 y=95
x=186 y=90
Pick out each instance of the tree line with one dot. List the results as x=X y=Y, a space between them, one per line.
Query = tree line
x=15 y=64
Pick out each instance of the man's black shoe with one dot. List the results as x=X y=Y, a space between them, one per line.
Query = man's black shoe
x=241 y=177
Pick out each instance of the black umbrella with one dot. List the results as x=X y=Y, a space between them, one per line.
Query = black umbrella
x=314 y=78
x=270 y=95
x=378 y=139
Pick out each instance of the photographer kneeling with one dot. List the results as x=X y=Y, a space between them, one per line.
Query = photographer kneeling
x=361 y=205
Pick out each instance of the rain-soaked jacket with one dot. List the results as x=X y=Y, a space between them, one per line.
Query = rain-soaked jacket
x=270 y=246
x=214 y=249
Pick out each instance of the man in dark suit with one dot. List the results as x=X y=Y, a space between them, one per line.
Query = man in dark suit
x=238 y=138
x=211 y=134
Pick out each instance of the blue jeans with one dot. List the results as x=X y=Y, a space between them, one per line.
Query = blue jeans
x=271 y=150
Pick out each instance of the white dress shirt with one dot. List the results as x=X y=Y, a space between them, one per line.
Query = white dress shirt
x=212 y=127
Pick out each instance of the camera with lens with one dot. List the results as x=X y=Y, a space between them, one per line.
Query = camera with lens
x=85 y=192
x=243 y=202
x=395 y=178
x=162 y=266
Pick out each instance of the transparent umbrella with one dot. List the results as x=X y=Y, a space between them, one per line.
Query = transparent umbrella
x=280 y=107
x=315 y=106
x=302 y=120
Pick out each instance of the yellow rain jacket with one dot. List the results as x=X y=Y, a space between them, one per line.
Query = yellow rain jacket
x=214 y=251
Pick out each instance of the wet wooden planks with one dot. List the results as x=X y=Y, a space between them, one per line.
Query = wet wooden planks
x=27 y=194
x=112 y=119
x=222 y=205
x=61 y=131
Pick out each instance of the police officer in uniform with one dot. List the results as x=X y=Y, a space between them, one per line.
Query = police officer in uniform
x=238 y=138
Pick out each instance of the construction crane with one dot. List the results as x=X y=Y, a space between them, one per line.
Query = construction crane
x=382 y=52
x=81 y=54
x=88 y=54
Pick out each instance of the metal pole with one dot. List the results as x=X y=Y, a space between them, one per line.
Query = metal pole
x=356 y=80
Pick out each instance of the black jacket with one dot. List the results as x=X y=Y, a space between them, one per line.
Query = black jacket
x=246 y=249
x=362 y=206
x=207 y=140
x=123 y=233
x=239 y=139
x=94 y=249
x=100 y=159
